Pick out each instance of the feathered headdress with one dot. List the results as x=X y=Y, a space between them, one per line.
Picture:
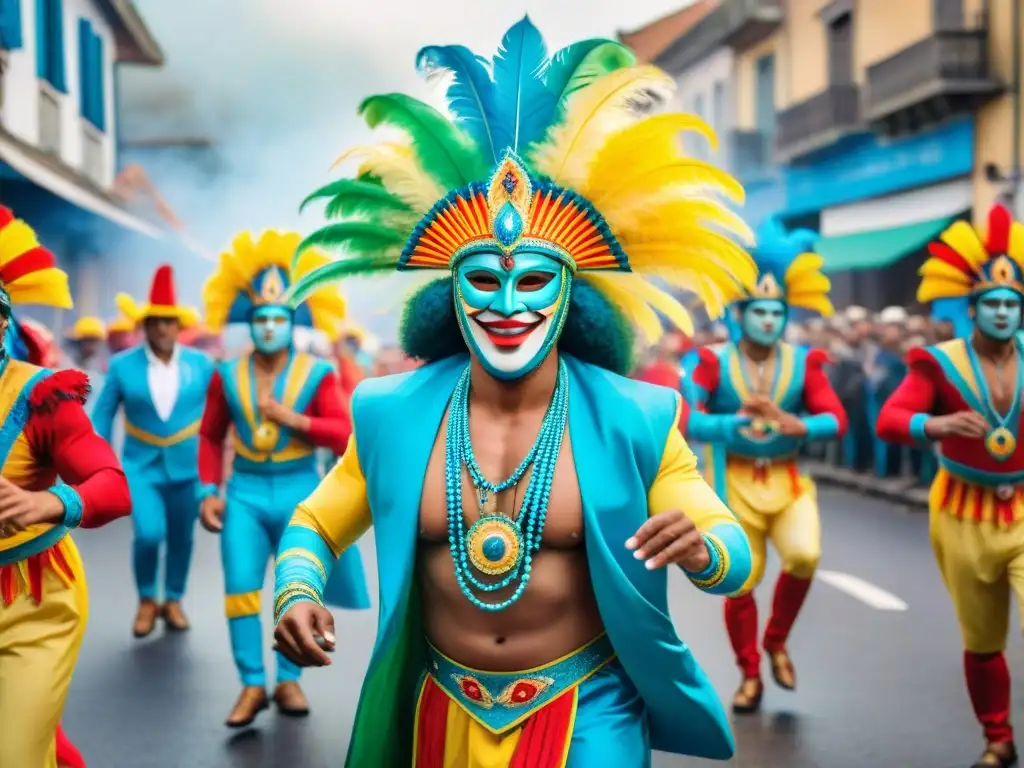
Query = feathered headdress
x=965 y=261
x=551 y=154
x=788 y=270
x=29 y=272
x=253 y=272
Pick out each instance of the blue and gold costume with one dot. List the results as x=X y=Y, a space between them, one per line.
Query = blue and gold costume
x=275 y=465
x=160 y=445
x=543 y=262
x=752 y=463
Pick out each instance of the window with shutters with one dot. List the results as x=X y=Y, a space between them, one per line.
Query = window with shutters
x=92 y=102
x=10 y=25
x=50 y=65
x=947 y=14
x=840 y=50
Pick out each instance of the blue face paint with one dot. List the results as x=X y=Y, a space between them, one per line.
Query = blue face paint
x=271 y=329
x=511 y=318
x=997 y=313
x=763 y=321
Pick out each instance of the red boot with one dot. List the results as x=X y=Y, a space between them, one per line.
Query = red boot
x=741 y=623
x=790 y=593
x=988 y=684
x=68 y=755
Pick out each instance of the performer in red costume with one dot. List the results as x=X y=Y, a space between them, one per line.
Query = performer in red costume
x=57 y=475
x=965 y=396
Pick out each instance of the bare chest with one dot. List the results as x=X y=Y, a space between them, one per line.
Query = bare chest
x=1000 y=381
x=499 y=449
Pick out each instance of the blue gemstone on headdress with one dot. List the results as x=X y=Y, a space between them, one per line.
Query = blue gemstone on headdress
x=508 y=225
x=509 y=182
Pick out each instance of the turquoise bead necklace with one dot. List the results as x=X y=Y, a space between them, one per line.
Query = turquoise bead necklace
x=498 y=544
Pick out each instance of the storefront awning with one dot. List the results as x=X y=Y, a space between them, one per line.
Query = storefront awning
x=879 y=247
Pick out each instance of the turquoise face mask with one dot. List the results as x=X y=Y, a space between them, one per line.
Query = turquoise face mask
x=271 y=329
x=997 y=313
x=511 y=318
x=763 y=321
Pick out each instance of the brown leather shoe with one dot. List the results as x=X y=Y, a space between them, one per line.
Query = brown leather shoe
x=251 y=702
x=997 y=755
x=174 y=616
x=783 y=670
x=290 y=700
x=145 y=618
x=747 y=699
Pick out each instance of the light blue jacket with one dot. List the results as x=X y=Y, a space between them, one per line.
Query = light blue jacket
x=150 y=442
x=618 y=430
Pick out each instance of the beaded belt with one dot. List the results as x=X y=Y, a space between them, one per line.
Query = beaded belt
x=500 y=701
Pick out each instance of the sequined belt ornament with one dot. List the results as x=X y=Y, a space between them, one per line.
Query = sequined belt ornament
x=500 y=701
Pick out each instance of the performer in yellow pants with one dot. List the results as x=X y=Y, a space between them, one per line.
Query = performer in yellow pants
x=55 y=474
x=756 y=402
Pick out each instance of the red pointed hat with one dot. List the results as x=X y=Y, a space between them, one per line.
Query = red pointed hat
x=163 y=300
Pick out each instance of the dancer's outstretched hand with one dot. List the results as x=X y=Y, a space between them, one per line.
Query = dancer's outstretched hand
x=667 y=538
x=305 y=634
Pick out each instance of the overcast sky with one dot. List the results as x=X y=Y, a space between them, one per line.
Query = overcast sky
x=275 y=84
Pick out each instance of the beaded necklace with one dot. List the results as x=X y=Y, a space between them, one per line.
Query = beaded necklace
x=498 y=544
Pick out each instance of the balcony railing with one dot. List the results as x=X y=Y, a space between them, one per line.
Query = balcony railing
x=817 y=122
x=93 y=165
x=737 y=23
x=49 y=119
x=943 y=74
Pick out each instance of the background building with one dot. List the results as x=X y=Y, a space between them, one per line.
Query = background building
x=874 y=123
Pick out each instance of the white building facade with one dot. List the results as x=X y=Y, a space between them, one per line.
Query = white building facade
x=705 y=90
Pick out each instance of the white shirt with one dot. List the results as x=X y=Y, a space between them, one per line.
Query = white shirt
x=164 y=382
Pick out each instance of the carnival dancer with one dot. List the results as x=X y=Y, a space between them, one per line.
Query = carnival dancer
x=525 y=498
x=121 y=334
x=964 y=396
x=282 y=405
x=748 y=399
x=161 y=387
x=57 y=475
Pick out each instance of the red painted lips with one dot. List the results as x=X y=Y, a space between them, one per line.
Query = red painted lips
x=508 y=333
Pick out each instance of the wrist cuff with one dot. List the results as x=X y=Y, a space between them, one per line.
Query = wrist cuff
x=714 y=573
x=205 y=491
x=74 y=508
x=917 y=422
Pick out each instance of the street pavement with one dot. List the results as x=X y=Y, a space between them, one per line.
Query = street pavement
x=876 y=649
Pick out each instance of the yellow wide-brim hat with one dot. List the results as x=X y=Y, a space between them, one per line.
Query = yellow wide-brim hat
x=86 y=328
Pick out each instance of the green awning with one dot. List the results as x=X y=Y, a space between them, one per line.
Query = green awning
x=878 y=247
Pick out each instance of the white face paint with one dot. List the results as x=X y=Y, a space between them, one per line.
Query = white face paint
x=509 y=344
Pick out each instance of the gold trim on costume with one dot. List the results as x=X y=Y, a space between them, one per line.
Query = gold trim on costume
x=306 y=555
x=162 y=442
x=245 y=604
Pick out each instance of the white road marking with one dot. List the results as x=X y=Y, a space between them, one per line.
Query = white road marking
x=869 y=594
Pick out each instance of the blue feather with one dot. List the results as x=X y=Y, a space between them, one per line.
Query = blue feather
x=524 y=102
x=471 y=96
x=777 y=248
x=580 y=64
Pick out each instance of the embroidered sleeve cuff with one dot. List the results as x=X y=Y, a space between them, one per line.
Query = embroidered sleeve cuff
x=74 y=508
x=290 y=594
x=821 y=426
x=206 y=491
x=917 y=422
x=717 y=566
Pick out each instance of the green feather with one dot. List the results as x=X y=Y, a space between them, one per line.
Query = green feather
x=578 y=65
x=444 y=151
x=335 y=271
x=363 y=197
x=355 y=237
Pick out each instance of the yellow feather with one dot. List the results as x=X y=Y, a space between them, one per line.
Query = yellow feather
x=932 y=288
x=961 y=237
x=937 y=268
x=697 y=213
x=676 y=243
x=693 y=175
x=808 y=282
x=653 y=142
x=127 y=306
x=620 y=293
x=802 y=264
x=592 y=114
x=1016 y=250
x=46 y=287
x=400 y=172
x=15 y=239
x=813 y=301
